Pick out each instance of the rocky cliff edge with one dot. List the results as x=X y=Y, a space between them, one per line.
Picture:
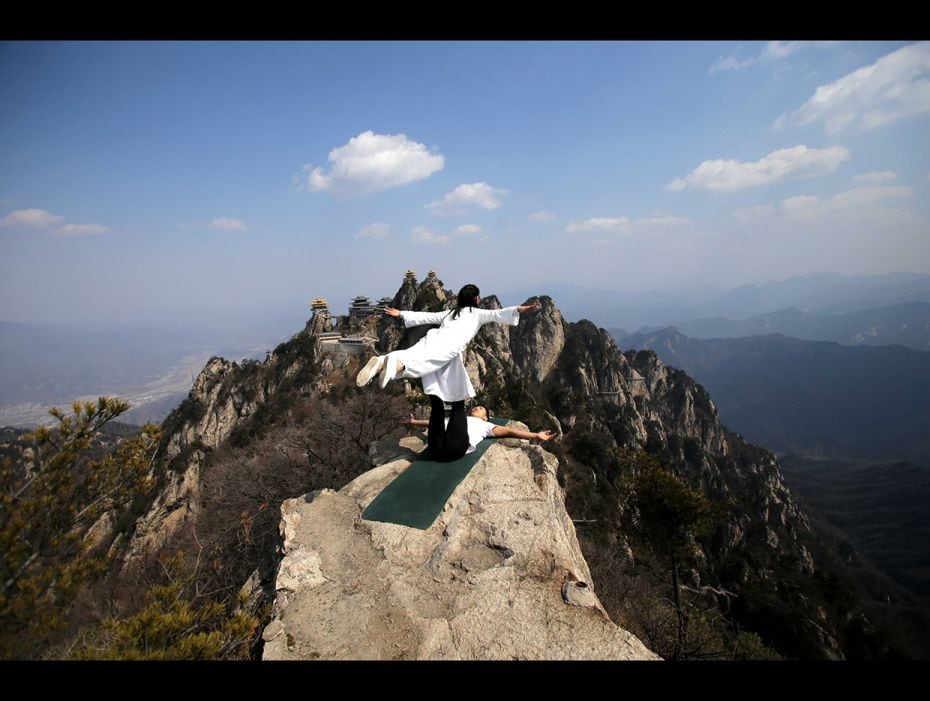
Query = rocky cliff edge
x=499 y=574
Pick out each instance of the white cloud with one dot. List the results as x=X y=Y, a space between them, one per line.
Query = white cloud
x=468 y=229
x=619 y=225
x=624 y=225
x=480 y=195
x=370 y=162
x=376 y=230
x=855 y=203
x=799 y=205
x=82 y=229
x=228 y=224
x=423 y=234
x=875 y=177
x=42 y=219
x=30 y=218
x=731 y=63
x=895 y=87
x=729 y=175
x=541 y=216
x=770 y=53
x=866 y=196
x=664 y=221
x=777 y=50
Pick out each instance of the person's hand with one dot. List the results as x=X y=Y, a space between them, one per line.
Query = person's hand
x=408 y=420
x=529 y=307
x=545 y=435
x=390 y=311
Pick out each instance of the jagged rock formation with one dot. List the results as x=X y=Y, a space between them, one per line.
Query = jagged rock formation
x=222 y=396
x=499 y=575
x=539 y=340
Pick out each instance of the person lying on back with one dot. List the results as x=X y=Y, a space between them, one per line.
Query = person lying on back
x=450 y=441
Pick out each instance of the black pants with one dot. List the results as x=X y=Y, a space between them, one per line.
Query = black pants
x=447 y=443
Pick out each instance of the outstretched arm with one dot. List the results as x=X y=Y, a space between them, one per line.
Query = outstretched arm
x=505 y=432
x=416 y=318
x=414 y=422
x=507 y=315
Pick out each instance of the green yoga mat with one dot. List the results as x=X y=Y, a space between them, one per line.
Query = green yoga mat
x=416 y=496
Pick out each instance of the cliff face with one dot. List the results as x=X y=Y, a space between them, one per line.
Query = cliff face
x=571 y=375
x=499 y=574
x=634 y=401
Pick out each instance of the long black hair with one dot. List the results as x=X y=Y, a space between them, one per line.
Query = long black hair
x=466 y=299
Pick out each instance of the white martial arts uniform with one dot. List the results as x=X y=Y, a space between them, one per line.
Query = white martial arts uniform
x=437 y=357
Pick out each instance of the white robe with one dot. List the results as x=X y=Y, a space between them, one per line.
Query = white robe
x=437 y=357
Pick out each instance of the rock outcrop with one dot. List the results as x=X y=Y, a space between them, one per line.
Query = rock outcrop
x=499 y=574
x=221 y=397
x=539 y=340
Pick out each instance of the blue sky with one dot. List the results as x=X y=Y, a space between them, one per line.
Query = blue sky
x=156 y=181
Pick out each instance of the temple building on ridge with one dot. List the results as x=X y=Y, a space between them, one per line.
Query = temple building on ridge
x=320 y=306
x=361 y=308
x=335 y=342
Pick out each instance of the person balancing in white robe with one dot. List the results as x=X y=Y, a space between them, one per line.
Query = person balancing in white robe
x=437 y=357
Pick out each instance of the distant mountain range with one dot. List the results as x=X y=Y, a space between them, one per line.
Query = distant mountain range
x=818 y=399
x=825 y=293
x=906 y=324
x=820 y=293
x=614 y=308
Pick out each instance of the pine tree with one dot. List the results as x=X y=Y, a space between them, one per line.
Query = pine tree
x=47 y=507
x=669 y=516
x=174 y=626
